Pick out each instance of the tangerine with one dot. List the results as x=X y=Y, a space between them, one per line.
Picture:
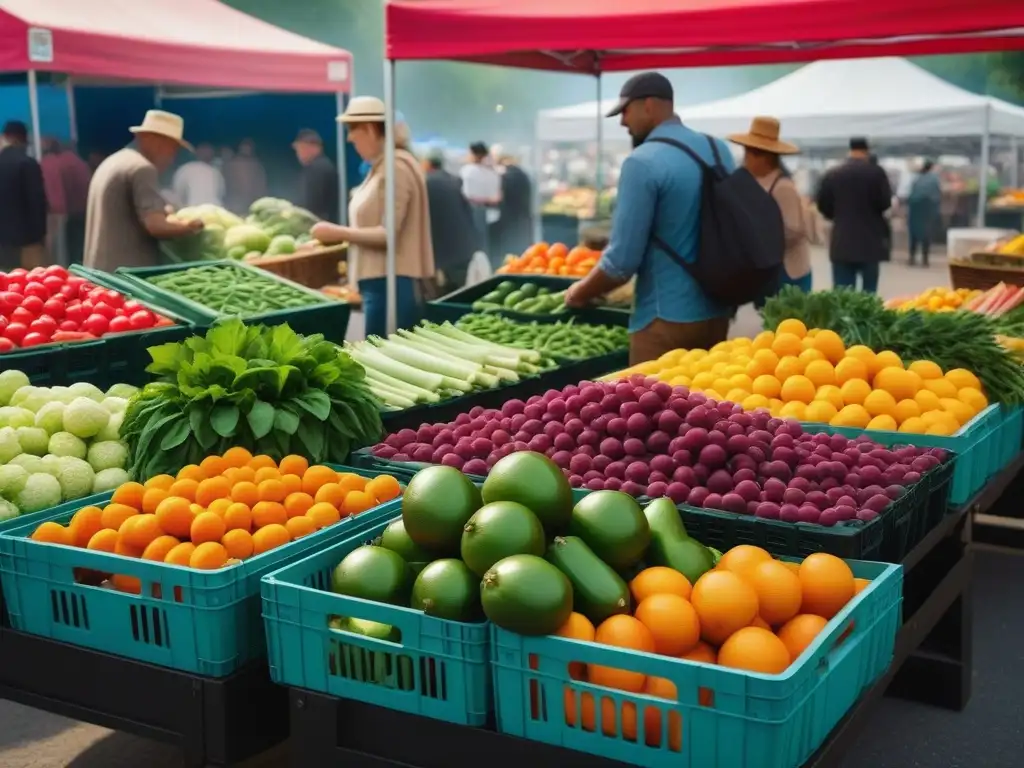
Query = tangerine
x=246 y=493
x=238 y=544
x=756 y=650
x=653 y=734
x=104 y=540
x=211 y=489
x=266 y=473
x=151 y=499
x=577 y=627
x=262 y=461
x=209 y=556
x=175 y=516
x=269 y=537
x=130 y=494
x=799 y=632
x=159 y=548
x=297 y=503
x=181 y=554
x=192 y=472
x=672 y=621
x=358 y=501
x=238 y=517
x=316 y=476
x=237 y=457
x=184 y=488
x=778 y=591
x=124 y=583
x=794 y=326
x=820 y=373
x=827 y=584
x=208 y=526
x=702 y=652
x=330 y=493
x=859 y=585
x=742 y=559
x=293 y=464
x=292 y=484
x=850 y=368
x=854 y=392
x=163 y=482
x=323 y=514
x=724 y=603
x=53 y=533
x=87 y=522
x=272 y=490
x=300 y=526
x=268 y=513
x=621 y=631
x=351 y=482
x=830 y=345
x=219 y=506
x=213 y=466
x=798 y=388
x=140 y=531
x=114 y=515
x=659 y=580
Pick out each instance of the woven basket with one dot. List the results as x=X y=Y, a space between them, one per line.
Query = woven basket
x=983 y=276
x=313 y=269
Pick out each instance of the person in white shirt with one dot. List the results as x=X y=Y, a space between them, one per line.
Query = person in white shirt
x=481 y=185
x=199 y=182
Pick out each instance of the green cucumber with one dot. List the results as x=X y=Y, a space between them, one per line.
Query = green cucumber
x=598 y=591
x=671 y=545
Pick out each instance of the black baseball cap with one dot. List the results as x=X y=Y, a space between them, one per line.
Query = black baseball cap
x=859 y=144
x=646 y=85
x=16 y=130
x=309 y=136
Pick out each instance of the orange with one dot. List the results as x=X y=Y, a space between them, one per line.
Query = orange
x=163 y=482
x=799 y=632
x=181 y=554
x=130 y=494
x=958 y=409
x=794 y=410
x=323 y=514
x=175 y=515
x=351 y=482
x=820 y=411
x=196 y=509
x=788 y=366
x=659 y=580
x=577 y=627
x=211 y=489
x=159 y=548
x=262 y=461
x=238 y=544
x=866 y=356
x=622 y=632
x=832 y=395
x=778 y=591
x=854 y=392
x=898 y=383
x=124 y=583
x=830 y=345
x=87 y=522
x=787 y=344
x=926 y=369
x=114 y=515
x=268 y=513
x=767 y=385
x=266 y=473
x=244 y=474
x=973 y=398
x=300 y=526
x=672 y=621
x=793 y=326
x=219 y=506
x=291 y=483
x=962 y=378
x=246 y=493
x=331 y=493
x=209 y=556
x=859 y=585
x=798 y=388
x=269 y=537
x=385 y=488
x=297 y=504
x=358 y=501
x=238 y=516
x=827 y=584
x=609 y=717
x=887 y=359
x=123 y=547
x=852 y=416
x=759 y=622
x=820 y=373
x=294 y=465
x=764 y=340
x=141 y=530
x=702 y=652
x=151 y=499
x=742 y=559
x=879 y=402
x=906 y=409
x=316 y=476
x=208 y=526
x=851 y=368
x=185 y=488
x=883 y=423
x=653 y=735
x=53 y=533
x=192 y=472
x=271 y=490
x=237 y=457
x=724 y=602
x=756 y=650
x=914 y=424
x=104 y=540
x=212 y=466
x=810 y=355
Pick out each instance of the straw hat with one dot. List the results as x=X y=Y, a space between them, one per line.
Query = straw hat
x=764 y=135
x=363 y=109
x=164 y=124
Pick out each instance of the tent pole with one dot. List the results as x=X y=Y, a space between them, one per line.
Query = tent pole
x=389 y=193
x=158 y=97
x=986 y=151
x=538 y=161
x=33 y=110
x=342 y=161
x=69 y=90
x=1014 y=162
x=599 y=170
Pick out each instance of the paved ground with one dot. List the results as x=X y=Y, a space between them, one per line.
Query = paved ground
x=907 y=735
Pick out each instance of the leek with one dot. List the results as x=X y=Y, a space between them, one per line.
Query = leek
x=368 y=357
x=476 y=353
x=429 y=347
x=415 y=394
x=461 y=371
x=449 y=330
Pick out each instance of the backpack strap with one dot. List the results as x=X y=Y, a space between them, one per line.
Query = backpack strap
x=778 y=178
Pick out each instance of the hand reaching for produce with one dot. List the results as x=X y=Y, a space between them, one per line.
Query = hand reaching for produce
x=576 y=296
x=330 y=234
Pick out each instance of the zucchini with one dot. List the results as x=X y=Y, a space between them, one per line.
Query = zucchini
x=598 y=591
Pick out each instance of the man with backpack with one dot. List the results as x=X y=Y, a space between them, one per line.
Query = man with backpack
x=700 y=238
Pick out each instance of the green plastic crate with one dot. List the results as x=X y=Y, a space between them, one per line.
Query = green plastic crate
x=203 y=622
x=726 y=718
x=437 y=668
x=1011 y=432
x=330 y=317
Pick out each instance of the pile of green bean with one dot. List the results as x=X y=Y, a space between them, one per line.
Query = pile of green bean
x=233 y=290
x=567 y=340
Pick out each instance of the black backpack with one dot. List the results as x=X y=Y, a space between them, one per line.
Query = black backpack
x=742 y=238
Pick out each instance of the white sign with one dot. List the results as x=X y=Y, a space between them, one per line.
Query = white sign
x=40 y=45
x=337 y=71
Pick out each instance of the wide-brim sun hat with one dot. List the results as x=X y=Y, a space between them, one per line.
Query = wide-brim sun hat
x=165 y=124
x=363 y=109
x=764 y=135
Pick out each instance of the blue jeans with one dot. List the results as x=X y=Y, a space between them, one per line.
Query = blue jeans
x=374 y=291
x=844 y=275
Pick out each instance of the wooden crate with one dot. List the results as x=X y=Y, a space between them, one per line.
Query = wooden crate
x=314 y=269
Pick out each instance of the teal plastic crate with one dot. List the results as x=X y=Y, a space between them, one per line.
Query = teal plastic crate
x=329 y=317
x=437 y=668
x=725 y=718
x=975 y=444
x=1011 y=433
x=204 y=622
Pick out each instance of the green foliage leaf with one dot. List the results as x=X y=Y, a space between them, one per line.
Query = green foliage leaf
x=199 y=420
x=286 y=421
x=311 y=433
x=177 y=434
x=316 y=403
x=261 y=418
x=224 y=419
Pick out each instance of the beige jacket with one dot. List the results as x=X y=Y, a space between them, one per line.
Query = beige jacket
x=414 y=253
x=797 y=260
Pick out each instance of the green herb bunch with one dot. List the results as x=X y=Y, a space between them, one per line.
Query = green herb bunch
x=264 y=388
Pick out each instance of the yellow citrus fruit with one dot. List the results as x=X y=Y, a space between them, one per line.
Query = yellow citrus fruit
x=926 y=399
x=753 y=402
x=961 y=377
x=820 y=372
x=956 y=408
x=766 y=386
x=943 y=428
x=830 y=345
x=854 y=391
x=936 y=417
x=914 y=424
x=798 y=388
x=787 y=344
x=831 y=394
x=884 y=422
x=721 y=385
x=763 y=340
x=850 y=368
x=809 y=355
x=888 y=359
x=880 y=403
x=926 y=369
x=820 y=411
x=897 y=382
x=794 y=410
x=906 y=409
x=941 y=387
x=866 y=356
x=974 y=398
x=703 y=380
x=736 y=395
x=793 y=326
x=788 y=366
x=741 y=381
x=852 y=416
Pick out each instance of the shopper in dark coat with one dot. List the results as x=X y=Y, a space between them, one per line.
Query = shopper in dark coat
x=452 y=229
x=513 y=232
x=23 y=206
x=855 y=197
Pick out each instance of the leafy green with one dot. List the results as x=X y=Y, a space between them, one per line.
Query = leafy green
x=267 y=389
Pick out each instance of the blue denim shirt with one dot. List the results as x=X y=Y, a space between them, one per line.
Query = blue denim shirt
x=659 y=192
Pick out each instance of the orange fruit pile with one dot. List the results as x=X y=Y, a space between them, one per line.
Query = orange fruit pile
x=751 y=612
x=222 y=511
x=557 y=259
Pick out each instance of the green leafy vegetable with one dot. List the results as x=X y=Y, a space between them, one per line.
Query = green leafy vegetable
x=267 y=389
